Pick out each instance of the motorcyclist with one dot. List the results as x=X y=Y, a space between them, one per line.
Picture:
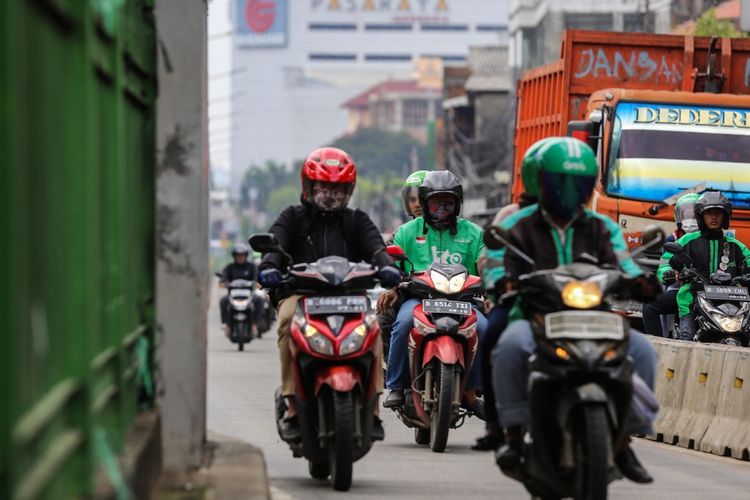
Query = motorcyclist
x=240 y=269
x=666 y=302
x=553 y=233
x=440 y=235
x=493 y=278
x=412 y=208
x=706 y=251
x=320 y=226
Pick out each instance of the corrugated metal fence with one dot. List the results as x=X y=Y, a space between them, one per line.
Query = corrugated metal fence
x=77 y=260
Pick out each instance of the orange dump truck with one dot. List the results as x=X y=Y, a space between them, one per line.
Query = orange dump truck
x=666 y=114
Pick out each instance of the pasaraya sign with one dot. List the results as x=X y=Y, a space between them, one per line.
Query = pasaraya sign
x=261 y=23
x=392 y=6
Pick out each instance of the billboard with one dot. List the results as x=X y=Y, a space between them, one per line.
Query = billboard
x=261 y=23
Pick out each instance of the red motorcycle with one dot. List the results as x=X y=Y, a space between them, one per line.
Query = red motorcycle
x=442 y=348
x=335 y=352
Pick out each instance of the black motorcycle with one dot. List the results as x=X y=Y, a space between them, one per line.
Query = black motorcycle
x=721 y=307
x=580 y=381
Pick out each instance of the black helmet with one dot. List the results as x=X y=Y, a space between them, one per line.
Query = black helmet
x=240 y=249
x=440 y=182
x=709 y=200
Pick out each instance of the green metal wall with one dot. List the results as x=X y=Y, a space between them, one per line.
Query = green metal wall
x=77 y=85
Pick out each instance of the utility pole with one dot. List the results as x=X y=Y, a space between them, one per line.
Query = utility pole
x=646 y=15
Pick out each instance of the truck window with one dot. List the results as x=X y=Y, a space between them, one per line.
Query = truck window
x=658 y=150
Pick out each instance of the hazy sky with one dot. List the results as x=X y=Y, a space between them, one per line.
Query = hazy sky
x=219 y=63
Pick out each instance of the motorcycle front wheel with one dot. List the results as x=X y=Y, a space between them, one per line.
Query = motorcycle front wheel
x=341 y=451
x=441 y=414
x=592 y=478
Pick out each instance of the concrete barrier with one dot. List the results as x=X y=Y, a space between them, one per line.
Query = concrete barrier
x=729 y=432
x=671 y=377
x=701 y=394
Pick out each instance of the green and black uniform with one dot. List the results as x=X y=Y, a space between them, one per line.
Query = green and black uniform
x=706 y=249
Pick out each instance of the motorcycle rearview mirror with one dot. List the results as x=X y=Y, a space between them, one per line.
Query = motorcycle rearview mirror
x=267 y=243
x=651 y=237
x=496 y=238
x=673 y=247
x=218 y=275
x=396 y=252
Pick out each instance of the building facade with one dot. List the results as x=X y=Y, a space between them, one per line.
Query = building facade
x=299 y=61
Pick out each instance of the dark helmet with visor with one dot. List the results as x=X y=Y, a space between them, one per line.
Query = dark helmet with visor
x=567 y=176
x=437 y=183
x=709 y=200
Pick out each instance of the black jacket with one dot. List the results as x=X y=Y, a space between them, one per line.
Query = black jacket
x=308 y=236
x=590 y=233
x=234 y=271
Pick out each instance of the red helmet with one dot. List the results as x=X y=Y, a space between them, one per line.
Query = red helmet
x=328 y=179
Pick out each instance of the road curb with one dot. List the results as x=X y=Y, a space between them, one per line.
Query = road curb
x=236 y=470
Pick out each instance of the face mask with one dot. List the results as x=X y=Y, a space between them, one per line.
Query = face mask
x=440 y=210
x=689 y=225
x=327 y=199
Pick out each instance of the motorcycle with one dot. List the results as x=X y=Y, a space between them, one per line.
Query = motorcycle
x=442 y=346
x=333 y=345
x=239 y=293
x=265 y=316
x=580 y=377
x=721 y=307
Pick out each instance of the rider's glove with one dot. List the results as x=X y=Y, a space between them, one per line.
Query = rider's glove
x=270 y=278
x=389 y=276
x=669 y=276
x=679 y=261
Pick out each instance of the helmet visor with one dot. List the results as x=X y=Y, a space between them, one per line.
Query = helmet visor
x=565 y=194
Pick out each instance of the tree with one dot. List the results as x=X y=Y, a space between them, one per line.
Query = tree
x=379 y=152
x=708 y=25
x=260 y=182
x=281 y=198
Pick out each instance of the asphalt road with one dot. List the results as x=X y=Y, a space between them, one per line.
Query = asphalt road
x=240 y=404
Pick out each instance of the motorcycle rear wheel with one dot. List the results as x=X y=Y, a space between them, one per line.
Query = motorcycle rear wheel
x=240 y=346
x=441 y=414
x=318 y=470
x=341 y=451
x=593 y=473
x=421 y=436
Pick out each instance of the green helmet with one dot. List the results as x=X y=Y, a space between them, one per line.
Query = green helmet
x=684 y=212
x=567 y=176
x=410 y=186
x=530 y=168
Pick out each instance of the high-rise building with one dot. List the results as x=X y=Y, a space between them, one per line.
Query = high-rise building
x=301 y=60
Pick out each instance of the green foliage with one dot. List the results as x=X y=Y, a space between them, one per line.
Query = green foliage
x=378 y=152
x=281 y=198
x=708 y=25
x=260 y=182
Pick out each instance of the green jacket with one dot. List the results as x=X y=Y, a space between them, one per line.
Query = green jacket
x=424 y=244
x=705 y=252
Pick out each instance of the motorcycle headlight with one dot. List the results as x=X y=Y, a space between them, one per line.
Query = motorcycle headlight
x=728 y=323
x=240 y=304
x=354 y=341
x=456 y=283
x=422 y=328
x=581 y=294
x=317 y=341
x=440 y=281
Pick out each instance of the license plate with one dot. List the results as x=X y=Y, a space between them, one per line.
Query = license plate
x=336 y=305
x=240 y=317
x=441 y=306
x=714 y=292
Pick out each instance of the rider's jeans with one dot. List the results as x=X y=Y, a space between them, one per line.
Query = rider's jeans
x=510 y=359
x=397 y=376
x=688 y=327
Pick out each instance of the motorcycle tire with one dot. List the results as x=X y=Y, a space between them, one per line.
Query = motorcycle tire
x=443 y=411
x=240 y=346
x=592 y=465
x=421 y=436
x=318 y=470
x=341 y=451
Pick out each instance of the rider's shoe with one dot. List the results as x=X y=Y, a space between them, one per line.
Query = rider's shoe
x=510 y=456
x=289 y=428
x=476 y=406
x=378 y=432
x=490 y=441
x=395 y=399
x=225 y=327
x=630 y=467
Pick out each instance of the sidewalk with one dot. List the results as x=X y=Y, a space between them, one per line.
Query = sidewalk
x=233 y=470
